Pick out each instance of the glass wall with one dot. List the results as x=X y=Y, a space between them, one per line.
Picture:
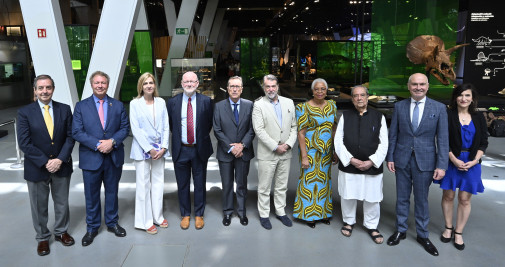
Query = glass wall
x=394 y=24
x=255 y=59
x=79 y=46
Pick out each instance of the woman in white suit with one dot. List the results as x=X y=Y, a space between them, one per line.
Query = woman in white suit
x=149 y=124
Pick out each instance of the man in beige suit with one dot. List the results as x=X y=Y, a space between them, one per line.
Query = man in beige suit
x=274 y=123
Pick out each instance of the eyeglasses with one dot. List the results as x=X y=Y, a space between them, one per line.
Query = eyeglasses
x=186 y=82
x=234 y=86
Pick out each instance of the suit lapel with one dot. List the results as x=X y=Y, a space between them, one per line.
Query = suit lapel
x=271 y=109
x=39 y=118
x=109 y=111
x=56 y=119
x=426 y=112
x=229 y=111
x=177 y=114
x=147 y=110
x=241 y=112
x=406 y=113
x=94 y=112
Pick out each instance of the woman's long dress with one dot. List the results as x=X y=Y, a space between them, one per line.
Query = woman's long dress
x=313 y=195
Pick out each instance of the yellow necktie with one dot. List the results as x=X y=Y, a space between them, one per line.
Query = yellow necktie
x=49 y=121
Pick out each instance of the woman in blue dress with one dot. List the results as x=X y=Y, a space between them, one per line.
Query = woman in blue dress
x=317 y=122
x=467 y=143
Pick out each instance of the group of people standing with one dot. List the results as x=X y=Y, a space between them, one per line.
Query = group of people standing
x=425 y=143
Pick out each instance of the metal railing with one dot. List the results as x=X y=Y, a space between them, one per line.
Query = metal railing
x=19 y=162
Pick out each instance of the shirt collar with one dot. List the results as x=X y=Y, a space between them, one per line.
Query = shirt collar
x=233 y=103
x=98 y=99
x=42 y=104
x=420 y=101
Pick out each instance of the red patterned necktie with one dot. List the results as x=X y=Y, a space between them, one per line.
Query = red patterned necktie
x=189 y=124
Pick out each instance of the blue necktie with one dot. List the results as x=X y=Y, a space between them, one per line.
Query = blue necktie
x=415 y=116
x=235 y=112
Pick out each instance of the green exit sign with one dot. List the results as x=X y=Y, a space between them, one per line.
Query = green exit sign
x=181 y=31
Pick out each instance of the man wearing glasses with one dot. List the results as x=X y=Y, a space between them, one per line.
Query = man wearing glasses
x=234 y=133
x=190 y=120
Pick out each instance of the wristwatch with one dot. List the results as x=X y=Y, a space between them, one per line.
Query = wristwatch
x=113 y=141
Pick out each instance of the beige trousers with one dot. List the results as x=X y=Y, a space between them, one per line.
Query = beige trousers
x=276 y=170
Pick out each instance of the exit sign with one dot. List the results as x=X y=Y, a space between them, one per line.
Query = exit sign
x=41 y=33
x=181 y=31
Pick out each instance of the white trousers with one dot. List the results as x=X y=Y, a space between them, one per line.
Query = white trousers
x=371 y=212
x=149 y=192
x=268 y=170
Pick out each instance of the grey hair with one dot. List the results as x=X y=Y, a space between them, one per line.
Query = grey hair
x=269 y=77
x=234 y=78
x=410 y=77
x=99 y=73
x=319 y=80
x=42 y=77
x=359 y=86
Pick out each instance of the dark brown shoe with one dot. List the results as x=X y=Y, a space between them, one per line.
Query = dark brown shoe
x=43 y=248
x=65 y=239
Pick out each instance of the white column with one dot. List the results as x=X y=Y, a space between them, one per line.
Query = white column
x=216 y=28
x=171 y=16
x=112 y=43
x=48 y=46
x=179 y=42
x=208 y=17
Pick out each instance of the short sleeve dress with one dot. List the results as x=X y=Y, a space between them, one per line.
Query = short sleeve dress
x=469 y=181
x=313 y=194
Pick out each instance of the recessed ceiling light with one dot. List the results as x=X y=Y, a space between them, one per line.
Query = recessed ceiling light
x=307 y=8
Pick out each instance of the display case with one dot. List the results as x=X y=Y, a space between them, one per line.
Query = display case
x=204 y=69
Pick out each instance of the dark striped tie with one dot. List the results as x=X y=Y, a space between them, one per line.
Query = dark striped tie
x=191 y=134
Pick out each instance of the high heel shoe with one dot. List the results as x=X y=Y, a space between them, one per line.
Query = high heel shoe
x=311 y=224
x=447 y=239
x=456 y=245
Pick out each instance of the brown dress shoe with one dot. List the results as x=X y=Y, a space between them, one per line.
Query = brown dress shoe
x=185 y=223
x=199 y=223
x=65 y=239
x=43 y=248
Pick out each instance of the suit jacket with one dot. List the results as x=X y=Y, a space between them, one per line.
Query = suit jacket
x=204 y=111
x=479 y=140
x=430 y=142
x=227 y=130
x=36 y=144
x=268 y=129
x=87 y=130
x=147 y=131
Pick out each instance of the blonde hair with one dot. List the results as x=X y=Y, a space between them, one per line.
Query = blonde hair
x=140 y=84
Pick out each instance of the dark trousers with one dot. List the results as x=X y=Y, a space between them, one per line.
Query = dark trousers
x=109 y=175
x=189 y=163
x=406 y=179
x=237 y=170
x=39 y=199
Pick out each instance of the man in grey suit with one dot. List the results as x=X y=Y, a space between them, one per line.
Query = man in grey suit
x=234 y=133
x=418 y=153
x=274 y=123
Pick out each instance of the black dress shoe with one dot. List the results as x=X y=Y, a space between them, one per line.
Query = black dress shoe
x=311 y=224
x=244 y=221
x=428 y=246
x=65 y=239
x=117 y=230
x=326 y=221
x=265 y=222
x=88 y=238
x=43 y=248
x=394 y=239
x=227 y=220
x=456 y=245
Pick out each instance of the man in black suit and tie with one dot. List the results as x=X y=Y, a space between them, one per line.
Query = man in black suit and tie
x=44 y=130
x=190 y=119
x=234 y=132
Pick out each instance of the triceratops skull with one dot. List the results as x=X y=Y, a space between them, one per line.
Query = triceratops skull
x=430 y=51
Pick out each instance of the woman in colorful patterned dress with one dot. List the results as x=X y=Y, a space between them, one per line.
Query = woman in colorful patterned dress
x=317 y=121
x=467 y=144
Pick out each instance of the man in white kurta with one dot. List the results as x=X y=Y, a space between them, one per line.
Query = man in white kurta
x=361 y=156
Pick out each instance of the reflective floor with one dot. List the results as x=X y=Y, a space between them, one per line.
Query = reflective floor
x=236 y=245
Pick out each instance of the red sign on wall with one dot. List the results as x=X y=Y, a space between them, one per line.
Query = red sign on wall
x=41 y=33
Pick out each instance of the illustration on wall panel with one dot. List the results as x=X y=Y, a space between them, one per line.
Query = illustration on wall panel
x=494 y=61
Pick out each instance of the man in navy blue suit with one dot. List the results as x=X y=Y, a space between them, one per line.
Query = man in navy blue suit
x=100 y=126
x=418 y=153
x=44 y=130
x=190 y=122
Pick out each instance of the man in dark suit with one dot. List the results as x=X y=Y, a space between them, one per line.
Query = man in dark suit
x=418 y=153
x=234 y=132
x=44 y=130
x=100 y=126
x=190 y=121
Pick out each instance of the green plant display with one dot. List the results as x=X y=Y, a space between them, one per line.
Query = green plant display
x=255 y=59
x=79 y=47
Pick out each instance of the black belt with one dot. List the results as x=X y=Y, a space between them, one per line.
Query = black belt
x=188 y=145
x=465 y=150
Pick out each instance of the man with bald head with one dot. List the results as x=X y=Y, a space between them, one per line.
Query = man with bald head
x=190 y=119
x=418 y=153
